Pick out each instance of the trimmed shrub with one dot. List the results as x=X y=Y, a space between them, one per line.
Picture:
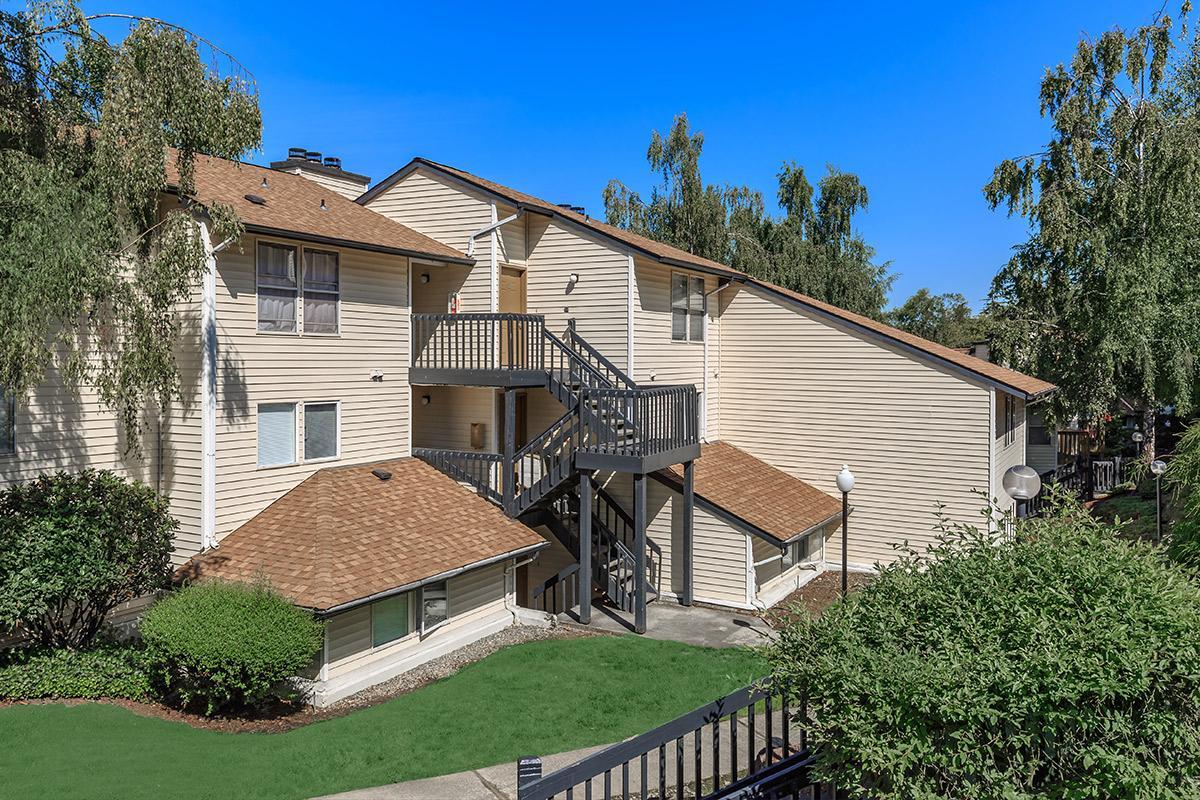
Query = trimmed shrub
x=218 y=646
x=109 y=670
x=1065 y=663
x=73 y=547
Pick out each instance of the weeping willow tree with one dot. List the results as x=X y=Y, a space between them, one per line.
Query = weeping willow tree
x=812 y=247
x=92 y=265
x=1104 y=297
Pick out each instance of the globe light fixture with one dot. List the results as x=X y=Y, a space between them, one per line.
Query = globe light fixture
x=845 y=484
x=1158 y=467
x=1022 y=484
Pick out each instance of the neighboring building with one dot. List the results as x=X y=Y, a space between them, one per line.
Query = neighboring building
x=404 y=411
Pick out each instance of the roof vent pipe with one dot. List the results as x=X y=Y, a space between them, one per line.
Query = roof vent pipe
x=333 y=162
x=297 y=153
x=313 y=155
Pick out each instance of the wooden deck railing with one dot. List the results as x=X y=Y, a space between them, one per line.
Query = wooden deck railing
x=732 y=747
x=478 y=342
x=656 y=420
x=483 y=471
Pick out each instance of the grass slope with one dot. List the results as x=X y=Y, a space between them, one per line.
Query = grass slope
x=542 y=698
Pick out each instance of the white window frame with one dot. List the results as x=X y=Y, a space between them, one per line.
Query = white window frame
x=413 y=629
x=1010 y=420
x=259 y=286
x=296 y=455
x=428 y=629
x=337 y=295
x=690 y=282
x=303 y=425
x=11 y=402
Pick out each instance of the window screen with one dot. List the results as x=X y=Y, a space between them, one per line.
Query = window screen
x=435 y=607
x=276 y=287
x=321 y=291
x=276 y=434
x=320 y=430
x=687 y=308
x=389 y=620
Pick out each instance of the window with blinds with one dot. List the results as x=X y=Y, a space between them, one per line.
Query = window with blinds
x=322 y=290
x=277 y=288
x=687 y=308
x=276 y=434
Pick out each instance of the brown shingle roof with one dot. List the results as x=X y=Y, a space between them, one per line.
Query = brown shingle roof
x=344 y=535
x=293 y=206
x=762 y=496
x=1018 y=382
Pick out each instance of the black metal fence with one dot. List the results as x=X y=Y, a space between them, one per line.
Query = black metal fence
x=742 y=745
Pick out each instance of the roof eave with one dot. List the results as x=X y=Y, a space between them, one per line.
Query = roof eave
x=441 y=576
x=374 y=248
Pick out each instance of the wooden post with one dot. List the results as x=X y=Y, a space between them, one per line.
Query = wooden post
x=689 y=513
x=585 y=547
x=639 y=552
x=508 y=479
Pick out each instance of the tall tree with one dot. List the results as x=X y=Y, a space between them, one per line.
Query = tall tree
x=92 y=267
x=1104 y=297
x=942 y=318
x=811 y=248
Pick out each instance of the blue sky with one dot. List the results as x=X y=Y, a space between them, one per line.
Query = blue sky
x=921 y=100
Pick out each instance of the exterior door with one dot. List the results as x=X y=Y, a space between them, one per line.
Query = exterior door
x=512 y=301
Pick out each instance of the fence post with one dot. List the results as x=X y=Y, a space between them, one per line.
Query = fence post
x=529 y=770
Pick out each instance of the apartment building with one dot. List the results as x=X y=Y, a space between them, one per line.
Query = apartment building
x=439 y=406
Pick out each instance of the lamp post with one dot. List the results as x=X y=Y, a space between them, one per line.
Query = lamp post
x=845 y=483
x=1158 y=467
x=1022 y=484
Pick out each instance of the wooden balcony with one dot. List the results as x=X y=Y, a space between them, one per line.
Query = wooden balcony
x=503 y=350
x=642 y=429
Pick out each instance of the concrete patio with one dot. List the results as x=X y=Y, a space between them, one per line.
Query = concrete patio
x=703 y=626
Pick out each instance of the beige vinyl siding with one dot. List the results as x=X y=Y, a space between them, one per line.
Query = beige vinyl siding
x=350 y=189
x=806 y=396
x=718 y=552
x=668 y=360
x=60 y=427
x=543 y=411
x=443 y=210
x=475 y=597
x=598 y=302
x=511 y=238
x=433 y=297
x=446 y=422
x=256 y=368
x=1007 y=455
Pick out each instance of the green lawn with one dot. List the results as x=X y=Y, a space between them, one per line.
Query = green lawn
x=1137 y=512
x=536 y=698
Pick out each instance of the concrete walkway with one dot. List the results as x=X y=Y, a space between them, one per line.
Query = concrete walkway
x=697 y=625
x=500 y=781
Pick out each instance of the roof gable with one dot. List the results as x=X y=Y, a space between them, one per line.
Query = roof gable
x=1009 y=380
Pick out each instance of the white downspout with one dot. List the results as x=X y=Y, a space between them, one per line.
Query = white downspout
x=208 y=389
x=629 y=321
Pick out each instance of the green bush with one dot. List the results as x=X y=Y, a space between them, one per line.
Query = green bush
x=218 y=646
x=110 y=670
x=1063 y=664
x=73 y=547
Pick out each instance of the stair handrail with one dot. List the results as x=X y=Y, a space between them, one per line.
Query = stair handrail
x=654 y=563
x=552 y=584
x=600 y=378
x=451 y=463
x=548 y=446
x=618 y=377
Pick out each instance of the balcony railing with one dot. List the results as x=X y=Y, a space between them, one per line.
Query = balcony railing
x=640 y=422
x=478 y=342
